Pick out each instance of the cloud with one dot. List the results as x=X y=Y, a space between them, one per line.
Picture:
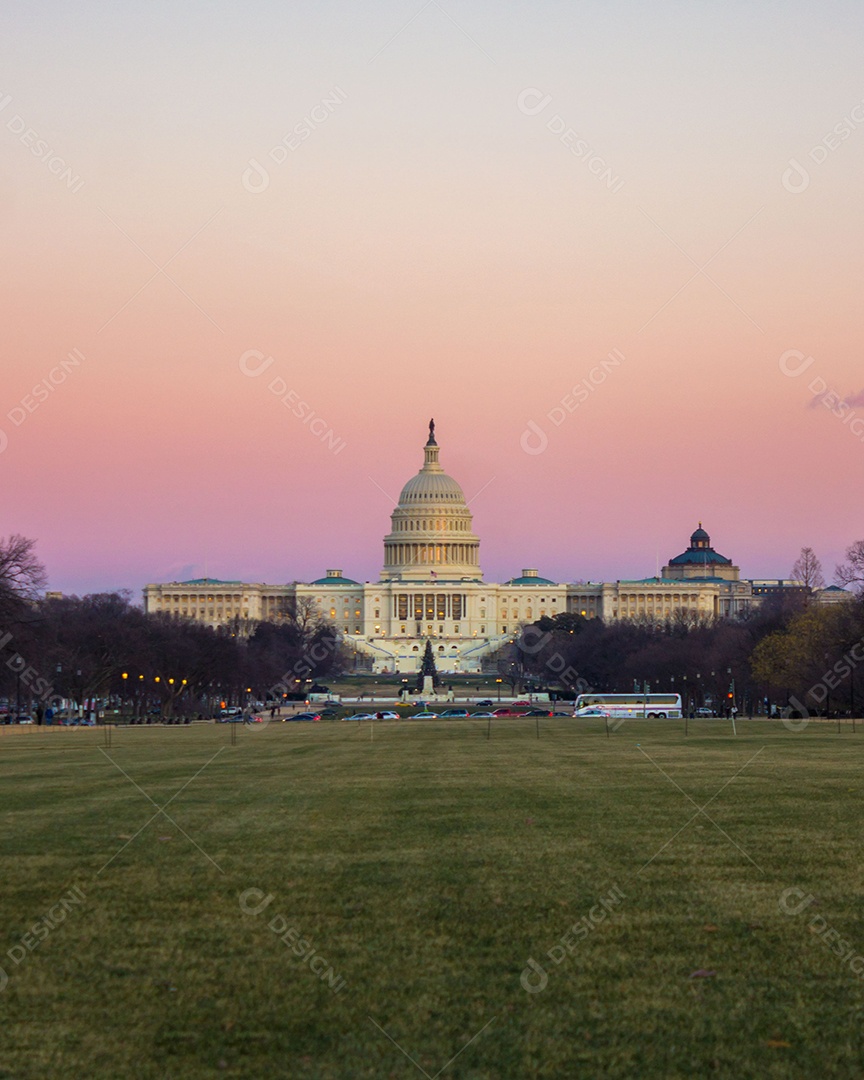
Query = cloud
x=854 y=401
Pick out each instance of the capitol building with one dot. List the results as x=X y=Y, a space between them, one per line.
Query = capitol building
x=431 y=587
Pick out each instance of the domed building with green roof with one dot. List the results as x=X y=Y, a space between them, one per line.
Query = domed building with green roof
x=700 y=561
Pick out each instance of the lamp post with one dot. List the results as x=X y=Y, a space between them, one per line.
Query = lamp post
x=498 y=683
x=125 y=678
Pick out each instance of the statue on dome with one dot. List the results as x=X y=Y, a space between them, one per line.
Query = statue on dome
x=431 y=434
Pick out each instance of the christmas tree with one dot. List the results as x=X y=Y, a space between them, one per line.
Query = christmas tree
x=428 y=666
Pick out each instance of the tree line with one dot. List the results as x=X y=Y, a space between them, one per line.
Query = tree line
x=792 y=653
x=102 y=646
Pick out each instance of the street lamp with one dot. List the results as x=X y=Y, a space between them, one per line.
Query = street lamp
x=498 y=681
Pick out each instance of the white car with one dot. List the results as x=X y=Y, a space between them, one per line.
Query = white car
x=590 y=710
x=425 y=716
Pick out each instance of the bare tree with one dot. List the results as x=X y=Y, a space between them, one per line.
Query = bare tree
x=22 y=577
x=306 y=616
x=808 y=570
x=852 y=571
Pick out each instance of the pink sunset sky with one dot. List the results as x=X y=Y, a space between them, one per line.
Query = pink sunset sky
x=450 y=210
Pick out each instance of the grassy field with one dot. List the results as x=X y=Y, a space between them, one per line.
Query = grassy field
x=356 y=900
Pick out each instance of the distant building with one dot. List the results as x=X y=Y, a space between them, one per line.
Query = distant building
x=431 y=587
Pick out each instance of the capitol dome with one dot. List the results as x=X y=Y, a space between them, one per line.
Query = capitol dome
x=431 y=528
x=431 y=487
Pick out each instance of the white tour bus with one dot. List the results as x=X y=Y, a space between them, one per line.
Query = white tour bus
x=627 y=706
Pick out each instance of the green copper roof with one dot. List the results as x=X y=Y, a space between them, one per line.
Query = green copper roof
x=700 y=557
x=529 y=581
x=209 y=581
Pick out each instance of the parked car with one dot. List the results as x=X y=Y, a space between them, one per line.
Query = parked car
x=704 y=711
x=424 y=716
x=505 y=710
x=389 y=715
x=590 y=710
x=452 y=714
x=482 y=715
x=23 y=719
x=538 y=712
x=360 y=716
x=486 y=703
x=307 y=717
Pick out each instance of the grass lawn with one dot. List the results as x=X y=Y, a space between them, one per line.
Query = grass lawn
x=413 y=869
